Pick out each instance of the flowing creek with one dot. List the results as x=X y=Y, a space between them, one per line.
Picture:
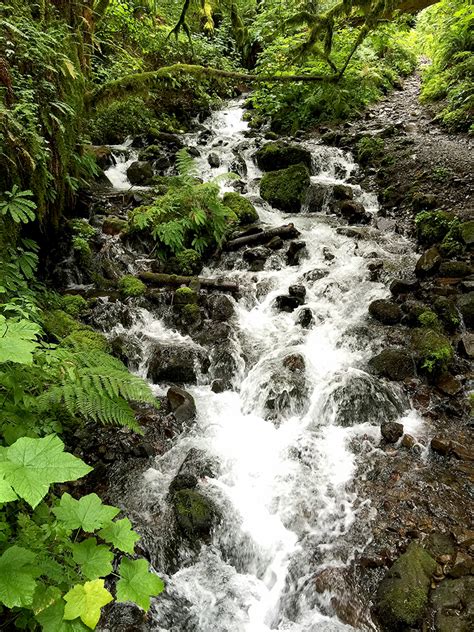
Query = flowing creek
x=284 y=481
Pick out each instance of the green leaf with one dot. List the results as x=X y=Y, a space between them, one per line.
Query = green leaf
x=95 y=561
x=85 y=601
x=87 y=513
x=17 y=340
x=7 y=495
x=44 y=597
x=17 y=577
x=30 y=466
x=51 y=619
x=121 y=535
x=137 y=583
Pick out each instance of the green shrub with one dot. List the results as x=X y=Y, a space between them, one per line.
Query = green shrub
x=120 y=119
x=131 y=286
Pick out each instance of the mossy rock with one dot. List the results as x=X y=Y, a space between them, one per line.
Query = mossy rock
x=188 y=262
x=243 y=208
x=285 y=189
x=131 y=286
x=114 y=225
x=73 y=304
x=434 y=351
x=191 y=313
x=185 y=296
x=87 y=339
x=455 y=269
x=447 y=312
x=466 y=307
x=402 y=595
x=57 y=324
x=194 y=512
x=275 y=156
x=467 y=232
x=433 y=226
x=453 y=605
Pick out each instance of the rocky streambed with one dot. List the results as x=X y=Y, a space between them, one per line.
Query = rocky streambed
x=309 y=467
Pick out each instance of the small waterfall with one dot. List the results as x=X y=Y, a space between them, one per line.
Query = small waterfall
x=282 y=437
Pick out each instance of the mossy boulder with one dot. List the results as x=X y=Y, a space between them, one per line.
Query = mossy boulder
x=395 y=364
x=187 y=262
x=275 y=156
x=243 y=208
x=87 y=339
x=285 y=189
x=114 y=225
x=131 y=286
x=386 y=312
x=455 y=269
x=140 y=172
x=466 y=307
x=185 y=296
x=57 y=324
x=447 y=312
x=428 y=263
x=402 y=595
x=195 y=513
x=467 y=232
x=433 y=350
x=433 y=226
x=73 y=304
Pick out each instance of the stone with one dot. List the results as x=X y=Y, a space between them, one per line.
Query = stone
x=462 y=565
x=103 y=155
x=279 y=155
x=395 y=364
x=402 y=595
x=195 y=513
x=466 y=307
x=218 y=386
x=455 y=269
x=167 y=138
x=353 y=212
x=140 y=172
x=466 y=345
x=453 y=605
x=285 y=189
x=114 y=225
x=182 y=404
x=403 y=286
x=295 y=252
x=424 y=201
x=446 y=310
x=242 y=207
x=433 y=350
x=287 y=303
x=448 y=384
x=305 y=318
x=275 y=243
x=174 y=363
x=221 y=307
x=342 y=192
x=391 y=431
x=214 y=160
x=199 y=464
x=467 y=232
x=441 y=446
x=297 y=290
x=385 y=311
x=328 y=255
x=182 y=481
x=428 y=263
x=408 y=441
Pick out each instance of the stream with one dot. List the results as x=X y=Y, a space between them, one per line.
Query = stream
x=296 y=424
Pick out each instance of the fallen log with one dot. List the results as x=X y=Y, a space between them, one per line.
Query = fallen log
x=158 y=279
x=285 y=232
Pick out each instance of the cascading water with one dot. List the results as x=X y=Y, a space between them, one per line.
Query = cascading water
x=284 y=480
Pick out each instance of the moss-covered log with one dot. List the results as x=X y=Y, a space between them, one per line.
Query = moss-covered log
x=157 y=279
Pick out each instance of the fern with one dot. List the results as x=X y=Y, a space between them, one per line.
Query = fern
x=18 y=205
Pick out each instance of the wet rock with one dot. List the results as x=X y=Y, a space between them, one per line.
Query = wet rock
x=354 y=212
x=174 y=363
x=402 y=595
x=193 y=151
x=328 y=255
x=285 y=189
x=342 y=192
x=275 y=243
x=218 y=386
x=127 y=348
x=412 y=310
x=466 y=345
x=466 y=307
x=114 y=225
x=213 y=332
x=362 y=398
x=195 y=513
x=305 y=318
x=467 y=232
x=299 y=291
x=455 y=269
x=239 y=166
x=408 y=441
x=221 y=307
x=395 y=364
x=242 y=207
x=424 y=201
x=140 y=173
x=286 y=389
x=156 y=155
x=448 y=384
x=182 y=481
x=181 y=404
x=447 y=447
x=446 y=310
x=103 y=156
x=315 y=275
x=197 y=463
x=385 y=311
x=167 y=138
x=391 y=431
x=441 y=446
x=428 y=263
x=287 y=303
x=214 y=160
x=434 y=351
x=295 y=252
x=294 y=362
x=453 y=605
x=462 y=565
x=403 y=286
x=275 y=156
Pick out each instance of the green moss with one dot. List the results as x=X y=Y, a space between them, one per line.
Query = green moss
x=113 y=123
x=274 y=156
x=243 y=208
x=429 y=319
x=447 y=312
x=433 y=226
x=402 y=595
x=185 y=296
x=194 y=512
x=82 y=228
x=191 y=313
x=87 y=339
x=467 y=232
x=187 y=262
x=114 y=225
x=285 y=189
x=131 y=286
x=370 y=149
x=73 y=304
x=434 y=351
x=57 y=324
